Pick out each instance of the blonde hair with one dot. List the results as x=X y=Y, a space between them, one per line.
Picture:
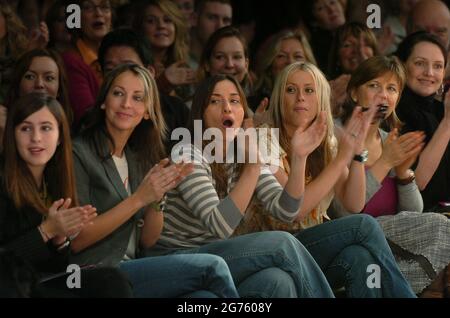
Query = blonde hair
x=324 y=153
x=16 y=40
x=266 y=79
x=179 y=50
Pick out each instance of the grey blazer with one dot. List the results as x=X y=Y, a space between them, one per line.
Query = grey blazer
x=99 y=184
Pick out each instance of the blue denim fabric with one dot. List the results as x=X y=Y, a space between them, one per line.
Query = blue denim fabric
x=344 y=248
x=170 y=276
x=259 y=263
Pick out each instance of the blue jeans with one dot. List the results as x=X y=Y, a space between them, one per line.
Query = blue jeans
x=344 y=248
x=269 y=264
x=170 y=276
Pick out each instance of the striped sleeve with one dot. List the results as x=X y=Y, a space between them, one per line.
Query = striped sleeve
x=275 y=199
x=220 y=217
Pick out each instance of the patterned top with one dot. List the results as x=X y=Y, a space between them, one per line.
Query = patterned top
x=259 y=220
x=194 y=214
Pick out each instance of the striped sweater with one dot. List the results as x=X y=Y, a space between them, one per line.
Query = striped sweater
x=194 y=215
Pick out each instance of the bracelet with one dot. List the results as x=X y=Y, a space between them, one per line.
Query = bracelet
x=157 y=206
x=408 y=180
x=44 y=235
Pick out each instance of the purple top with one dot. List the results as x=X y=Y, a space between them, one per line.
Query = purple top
x=385 y=201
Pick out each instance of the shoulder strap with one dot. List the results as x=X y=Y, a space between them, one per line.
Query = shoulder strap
x=407 y=255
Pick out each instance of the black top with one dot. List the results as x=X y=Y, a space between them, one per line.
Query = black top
x=19 y=234
x=425 y=114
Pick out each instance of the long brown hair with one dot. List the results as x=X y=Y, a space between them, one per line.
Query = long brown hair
x=200 y=102
x=22 y=66
x=59 y=171
x=147 y=137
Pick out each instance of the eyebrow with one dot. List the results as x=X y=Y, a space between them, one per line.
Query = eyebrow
x=122 y=88
x=41 y=123
x=295 y=84
x=426 y=59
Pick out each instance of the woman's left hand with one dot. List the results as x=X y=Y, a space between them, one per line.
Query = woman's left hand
x=304 y=142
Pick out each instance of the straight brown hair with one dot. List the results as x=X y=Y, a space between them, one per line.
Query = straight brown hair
x=59 y=172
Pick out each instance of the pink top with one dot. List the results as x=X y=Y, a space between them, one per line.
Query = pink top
x=385 y=201
x=83 y=84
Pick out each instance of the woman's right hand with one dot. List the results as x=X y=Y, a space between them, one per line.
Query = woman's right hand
x=397 y=150
x=63 y=221
x=160 y=179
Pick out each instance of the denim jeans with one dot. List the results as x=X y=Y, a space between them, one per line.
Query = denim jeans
x=171 y=276
x=269 y=264
x=344 y=248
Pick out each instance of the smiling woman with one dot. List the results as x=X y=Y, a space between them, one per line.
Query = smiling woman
x=37 y=170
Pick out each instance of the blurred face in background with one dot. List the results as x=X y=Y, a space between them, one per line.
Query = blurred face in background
x=42 y=76
x=291 y=50
x=215 y=15
x=159 y=28
x=187 y=8
x=96 y=16
x=228 y=57
x=329 y=14
x=353 y=52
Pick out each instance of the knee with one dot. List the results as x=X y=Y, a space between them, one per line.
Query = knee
x=368 y=225
x=214 y=263
x=268 y=283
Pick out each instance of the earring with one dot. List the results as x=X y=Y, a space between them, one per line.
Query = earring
x=440 y=91
x=102 y=106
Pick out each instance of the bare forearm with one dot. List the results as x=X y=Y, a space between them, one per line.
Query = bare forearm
x=320 y=187
x=354 y=190
x=245 y=187
x=106 y=223
x=431 y=156
x=380 y=170
x=295 y=185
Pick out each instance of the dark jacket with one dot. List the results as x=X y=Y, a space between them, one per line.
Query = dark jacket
x=425 y=114
x=99 y=184
x=19 y=234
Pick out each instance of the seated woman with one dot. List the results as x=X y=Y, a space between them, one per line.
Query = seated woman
x=344 y=249
x=203 y=211
x=38 y=202
x=113 y=168
x=391 y=188
x=425 y=60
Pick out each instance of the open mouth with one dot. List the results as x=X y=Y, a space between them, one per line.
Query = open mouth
x=98 y=25
x=227 y=123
